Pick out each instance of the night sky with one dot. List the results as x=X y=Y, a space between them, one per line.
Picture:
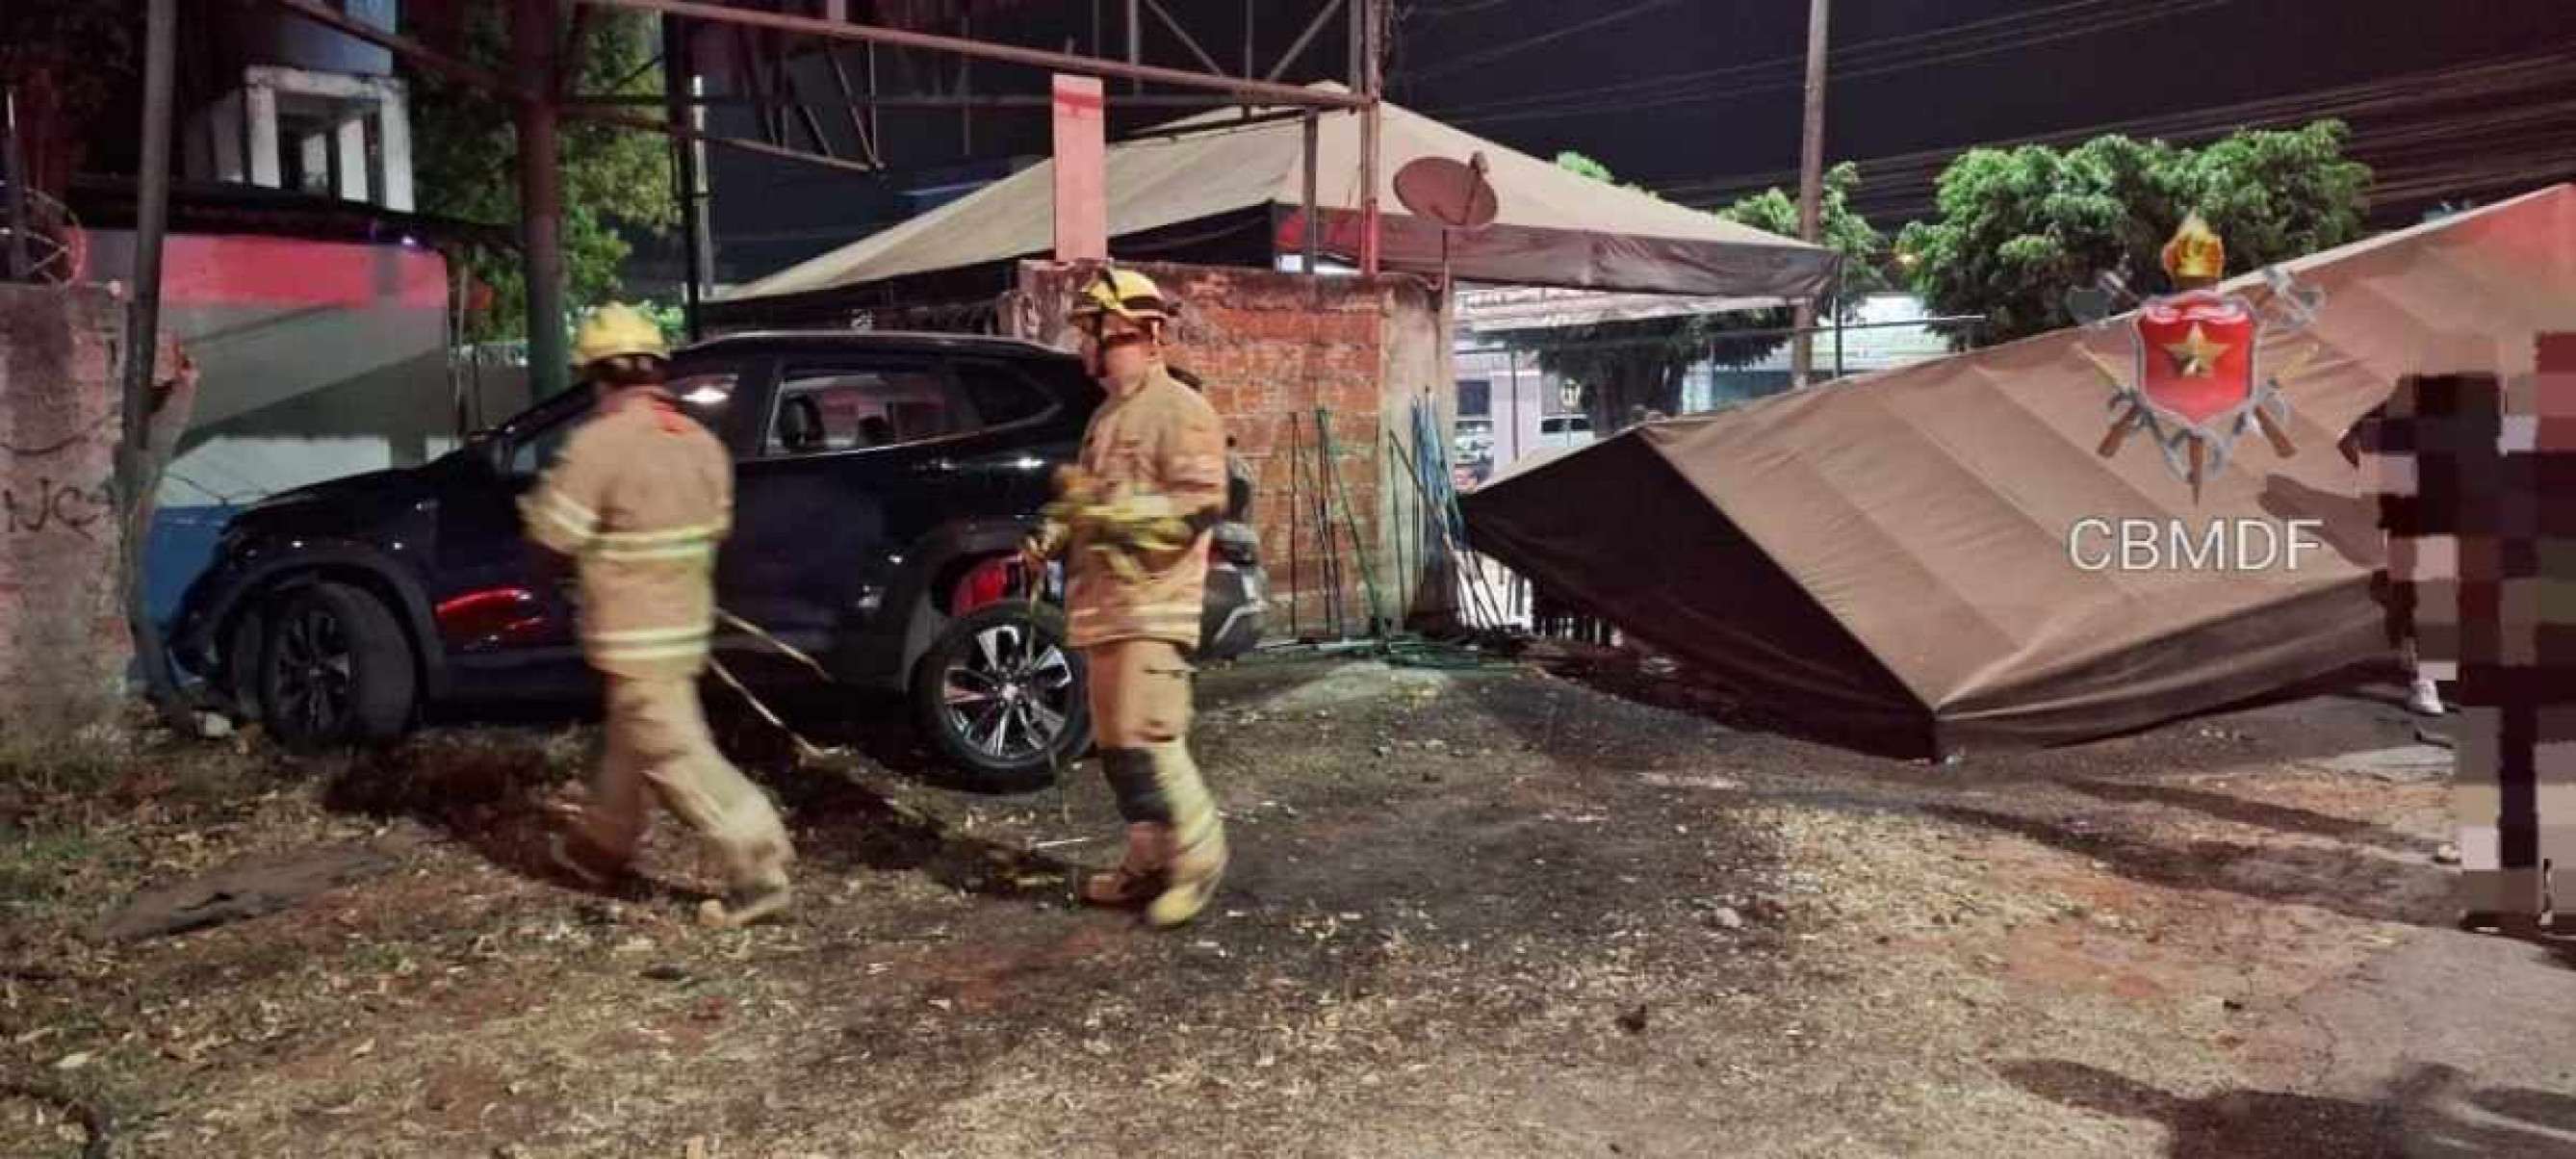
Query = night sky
x=1920 y=77
x=2065 y=66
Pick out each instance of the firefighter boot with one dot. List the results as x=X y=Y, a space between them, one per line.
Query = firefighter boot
x=747 y=904
x=760 y=887
x=2426 y=699
x=1138 y=877
x=1198 y=851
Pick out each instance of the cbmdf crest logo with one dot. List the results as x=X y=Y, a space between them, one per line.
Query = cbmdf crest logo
x=2199 y=377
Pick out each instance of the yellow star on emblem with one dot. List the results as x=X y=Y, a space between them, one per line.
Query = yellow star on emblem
x=2196 y=356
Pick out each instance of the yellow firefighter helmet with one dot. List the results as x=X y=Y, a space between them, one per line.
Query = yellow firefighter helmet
x=614 y=330
x=1126 y=293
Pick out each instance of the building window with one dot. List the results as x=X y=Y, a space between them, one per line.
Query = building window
x=1475 y=398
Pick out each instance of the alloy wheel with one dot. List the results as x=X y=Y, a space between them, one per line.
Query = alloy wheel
x=1011 y=695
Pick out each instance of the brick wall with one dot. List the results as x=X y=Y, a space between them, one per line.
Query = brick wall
x=1272 y=348
x=63 y=644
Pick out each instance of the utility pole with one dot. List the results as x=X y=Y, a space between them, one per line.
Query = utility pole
x=532 y=34
x=1811 y=186
x=137 y=468
x=1368 y=14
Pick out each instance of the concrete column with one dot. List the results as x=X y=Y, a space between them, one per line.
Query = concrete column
x=352 y=135
x=393 y=146
x=198 y=161
x=260 y=111
x=315 y=148
x=224 y=130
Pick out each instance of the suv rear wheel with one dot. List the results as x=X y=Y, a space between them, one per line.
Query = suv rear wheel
x=333 y=670
x=1001 y=696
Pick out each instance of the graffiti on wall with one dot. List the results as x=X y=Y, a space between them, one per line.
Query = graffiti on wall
x=51 y=505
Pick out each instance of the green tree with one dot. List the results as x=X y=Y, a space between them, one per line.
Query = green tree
x=1628 y=365
x=2018 y=228
x=67 y=61
x=615 y=180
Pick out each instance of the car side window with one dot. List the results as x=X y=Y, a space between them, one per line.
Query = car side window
x=535 y=451
x=843 y=409
x=1002 y=396
x=705 y=397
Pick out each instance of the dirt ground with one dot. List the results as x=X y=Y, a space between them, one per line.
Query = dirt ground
x=1498 y=911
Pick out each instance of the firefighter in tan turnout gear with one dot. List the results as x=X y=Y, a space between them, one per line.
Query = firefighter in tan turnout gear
x=639 y=498
x=1135 y=521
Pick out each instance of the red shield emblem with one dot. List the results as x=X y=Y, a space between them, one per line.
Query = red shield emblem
x=2196 y=356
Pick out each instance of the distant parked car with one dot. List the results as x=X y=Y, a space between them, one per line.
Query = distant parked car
x=1565 y=431
x=884 y=482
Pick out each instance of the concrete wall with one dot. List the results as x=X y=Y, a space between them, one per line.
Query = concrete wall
x=316 y=359
x=63 y=645
x=1272 y=348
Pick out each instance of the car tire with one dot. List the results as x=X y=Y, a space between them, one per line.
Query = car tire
x=964 y=702
x=335 y=670
x=244 y=645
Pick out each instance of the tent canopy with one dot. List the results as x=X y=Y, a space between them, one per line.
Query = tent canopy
x=1555 y=228
x=1887 y=561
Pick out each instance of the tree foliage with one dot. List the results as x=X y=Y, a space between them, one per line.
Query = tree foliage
x=1638 y=365
x=2018 y=228
x=69 y=61
x=615 y=180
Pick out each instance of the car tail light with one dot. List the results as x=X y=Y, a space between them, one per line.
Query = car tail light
x=490 y=617
x=989 y=582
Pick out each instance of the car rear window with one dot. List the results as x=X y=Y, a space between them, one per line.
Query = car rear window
x=1001 y=395
x=845 y=409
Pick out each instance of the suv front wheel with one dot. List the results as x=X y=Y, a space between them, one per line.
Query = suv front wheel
x=1002 y=697
x=333 y=670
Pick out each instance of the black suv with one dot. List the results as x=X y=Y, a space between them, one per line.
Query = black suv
x=883 y=484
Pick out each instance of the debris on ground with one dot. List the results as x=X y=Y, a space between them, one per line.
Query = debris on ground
x=1583 y=910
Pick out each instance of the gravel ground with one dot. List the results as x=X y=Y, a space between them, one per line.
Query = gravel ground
x=1503 y=911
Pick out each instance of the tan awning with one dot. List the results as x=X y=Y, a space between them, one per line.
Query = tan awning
x=1555 y=228
x=1887 y=560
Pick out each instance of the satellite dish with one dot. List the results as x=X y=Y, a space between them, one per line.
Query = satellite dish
x=1453 y=193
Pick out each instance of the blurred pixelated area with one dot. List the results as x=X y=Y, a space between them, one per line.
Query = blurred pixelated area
x=2476 y=484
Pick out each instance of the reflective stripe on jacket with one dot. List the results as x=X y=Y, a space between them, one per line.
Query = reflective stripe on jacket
x=1161 y=439
x=640 y=496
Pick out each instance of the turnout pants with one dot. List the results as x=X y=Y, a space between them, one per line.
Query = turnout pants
x=659 y=749
x=1140 y=711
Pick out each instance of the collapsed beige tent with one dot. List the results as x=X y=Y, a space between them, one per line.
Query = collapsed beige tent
x=1555 y=228
x=1887 y=561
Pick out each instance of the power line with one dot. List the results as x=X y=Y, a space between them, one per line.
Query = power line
x=1498 y=52
x=2166 y=11
x=1438 y=11
x=2479 y=127
x=1857 y=53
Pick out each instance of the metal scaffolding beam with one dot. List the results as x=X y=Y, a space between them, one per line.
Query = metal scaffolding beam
x=1268 y=92
x=907 y=101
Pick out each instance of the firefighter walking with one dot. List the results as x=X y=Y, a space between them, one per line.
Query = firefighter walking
x=639 y=499
x=1135 y=522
